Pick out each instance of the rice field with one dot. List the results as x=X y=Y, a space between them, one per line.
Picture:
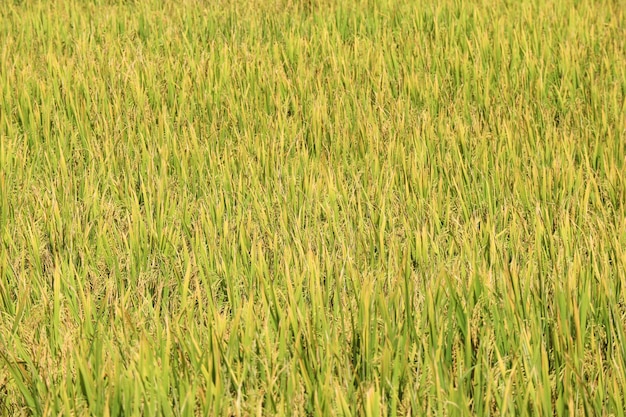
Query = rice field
x=312 y=208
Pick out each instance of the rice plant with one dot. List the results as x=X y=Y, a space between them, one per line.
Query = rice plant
x=312 y=207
